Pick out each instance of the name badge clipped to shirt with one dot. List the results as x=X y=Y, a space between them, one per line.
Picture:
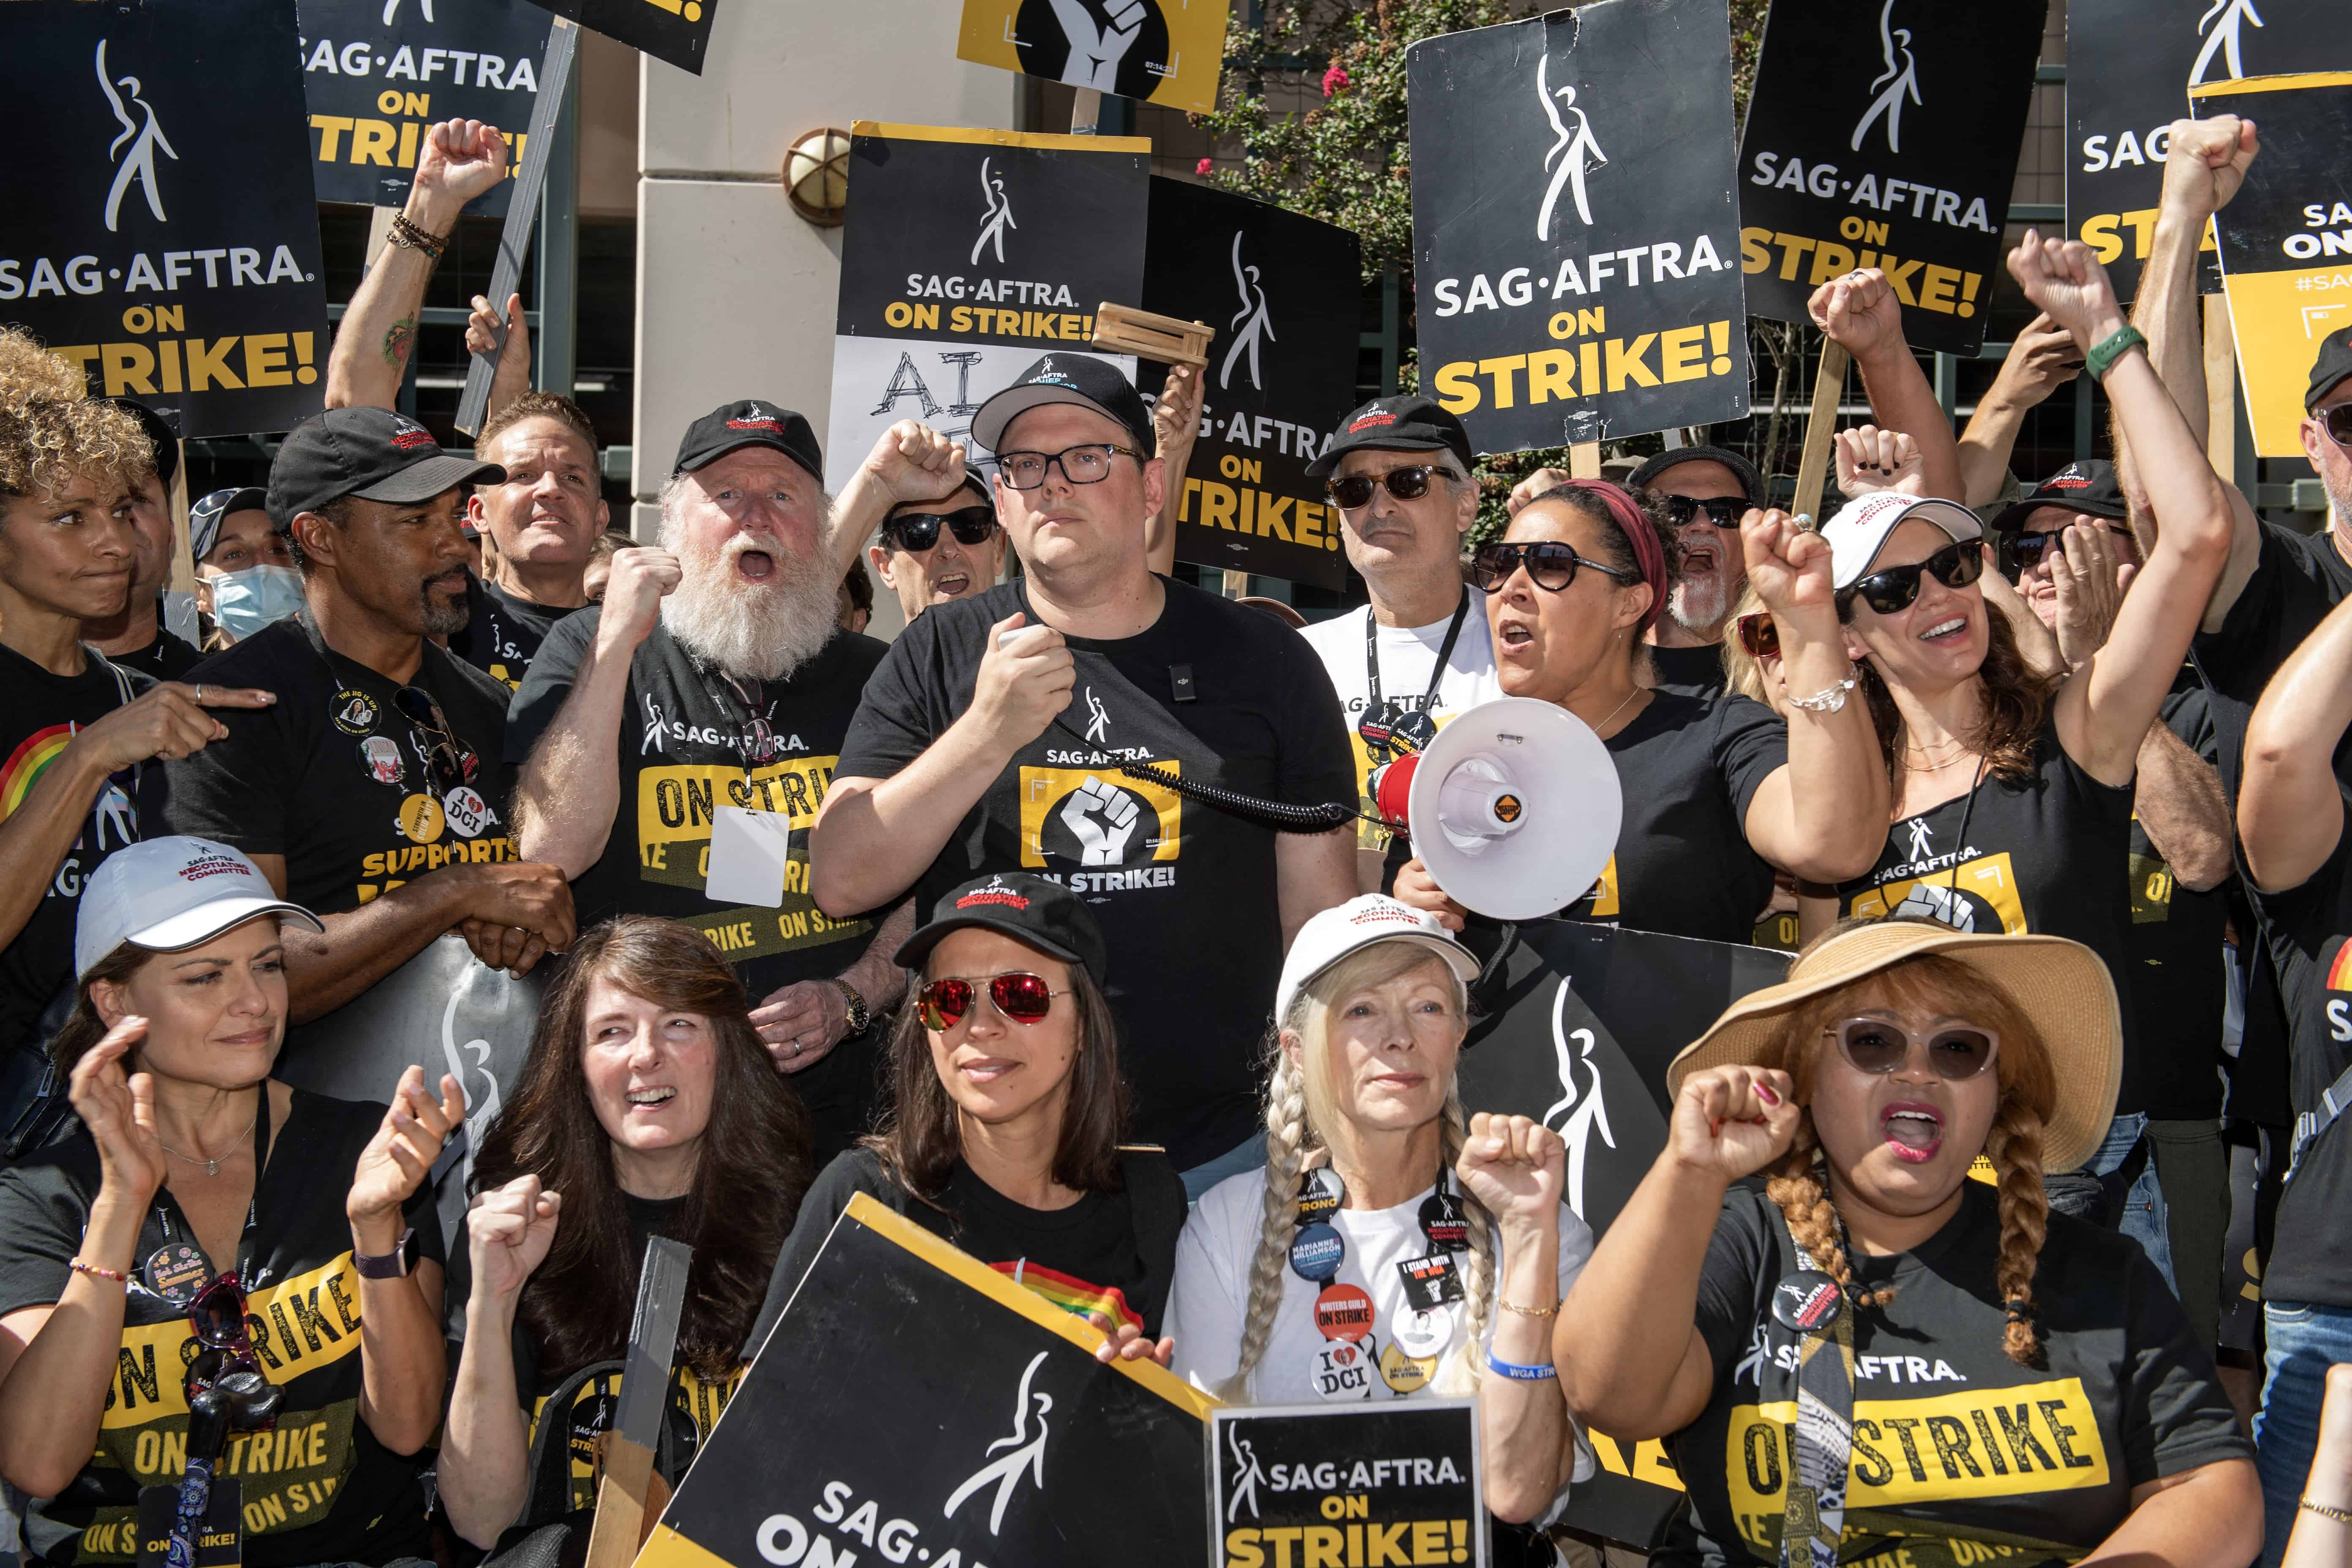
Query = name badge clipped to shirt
x=749 y=852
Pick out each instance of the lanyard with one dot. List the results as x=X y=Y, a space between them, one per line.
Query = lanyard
x=167 y=1207
x=1812 y=1305
x=1373 y=706
x=760 y=745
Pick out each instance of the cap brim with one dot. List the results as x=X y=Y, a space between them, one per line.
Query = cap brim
x=704 y=459
x=422 y=481
x=1330 y=460
x=194 y=927
x=1463 y=962
x=917 y=947
x=2320 y=389
x=2063 y=985
x=988 y=425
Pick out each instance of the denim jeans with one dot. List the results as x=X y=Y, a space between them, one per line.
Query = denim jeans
x=2305 y=1339
x=2143 y=1217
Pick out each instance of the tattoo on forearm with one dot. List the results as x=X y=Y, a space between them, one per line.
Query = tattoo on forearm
x=399 y=339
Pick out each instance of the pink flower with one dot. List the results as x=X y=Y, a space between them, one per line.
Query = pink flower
x=1334 y=80
x=1202 y=167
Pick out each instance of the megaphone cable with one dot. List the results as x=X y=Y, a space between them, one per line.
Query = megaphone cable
x=1281 y=815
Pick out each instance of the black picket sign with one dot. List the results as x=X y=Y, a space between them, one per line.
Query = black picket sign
x=380 y=75
x=1395 y=1481
x=1886 y=135
x=160 y=227
x=1283 y=292
x=1573 y=224
x=2128 y=65
x=677 y=31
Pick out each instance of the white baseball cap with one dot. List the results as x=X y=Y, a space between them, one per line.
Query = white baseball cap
x=1368 y=918
x=171 y=894
x=1861 y=528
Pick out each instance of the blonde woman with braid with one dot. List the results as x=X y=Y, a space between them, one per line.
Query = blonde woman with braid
x=1388 y=1247
x=1985 y=1380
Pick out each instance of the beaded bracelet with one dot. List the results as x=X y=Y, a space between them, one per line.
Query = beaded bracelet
x=78 y=1266
x=1520 y=1373
x=405 y=233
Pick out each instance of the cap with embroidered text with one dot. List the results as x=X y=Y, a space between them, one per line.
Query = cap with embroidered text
x=372 y=452
x=1079 y=379
x=731 y=426
x=1033 y=910
x=170 y=894
x=1406 y=423
x=1860 y=529
x=1332 y=935
x=2087 y=485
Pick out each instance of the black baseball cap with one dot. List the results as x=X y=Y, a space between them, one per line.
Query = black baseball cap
x=1408 y=422
x=1751 y=483
x=2087 y=485
x=971 y=481
x=160 y=433
x=732 y=426
x=1081 y=379
x=1044 y=914
x=372 y=452
x=2328 y=371
x=204 y=516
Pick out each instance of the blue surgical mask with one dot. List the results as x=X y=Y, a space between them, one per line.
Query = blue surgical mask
x=245 y=602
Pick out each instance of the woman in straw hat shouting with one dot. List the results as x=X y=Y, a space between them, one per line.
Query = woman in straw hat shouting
x=1871 y=1353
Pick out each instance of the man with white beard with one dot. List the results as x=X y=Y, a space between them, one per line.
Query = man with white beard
x=678 y=738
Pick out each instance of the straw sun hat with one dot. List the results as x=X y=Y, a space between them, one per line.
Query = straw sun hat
x=2062 y=985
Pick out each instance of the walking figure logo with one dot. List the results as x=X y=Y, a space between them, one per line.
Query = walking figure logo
x=1028 y=1452
x=1585 y=1111
x=1922 y=847
x=1099 y=729
x=1245 y=1482
x=1900 y=80
x=996 y=217
x=392 y=8
x=1570 y=147
x=144 y=138
x=2223 y=39
x=1252 y=313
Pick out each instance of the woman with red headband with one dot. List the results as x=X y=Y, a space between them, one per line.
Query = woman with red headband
x=1712 y=802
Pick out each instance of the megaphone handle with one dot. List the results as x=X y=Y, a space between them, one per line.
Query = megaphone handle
x=1494 y=972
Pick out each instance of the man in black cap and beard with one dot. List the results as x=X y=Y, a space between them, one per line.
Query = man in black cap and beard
x=678 y=738
x=993 y=735
x=374 y=791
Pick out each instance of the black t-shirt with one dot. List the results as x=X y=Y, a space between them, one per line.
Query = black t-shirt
x=1113 y=1253
x=503 y=632
x=1691 y=671
x=2297 y=579
x=318 y=1488
x=2308 y=926
x=39 y=714
x=1185 y=893
x=682 y=748
x=2050 y=856
x=1949 y=1431
x=2172 y=1066
x=335 y=778
x=1690 y=768
x=168 y=657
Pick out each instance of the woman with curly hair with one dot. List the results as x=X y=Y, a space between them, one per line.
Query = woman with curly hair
x=1872 y=1352
x=646 y=1107
x=75 y=730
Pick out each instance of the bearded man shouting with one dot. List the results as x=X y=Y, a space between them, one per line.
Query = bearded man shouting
x=678 y=738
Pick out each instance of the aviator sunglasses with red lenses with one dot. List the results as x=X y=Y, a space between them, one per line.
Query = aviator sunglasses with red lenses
x=1023 y=997
x=1879 y=1046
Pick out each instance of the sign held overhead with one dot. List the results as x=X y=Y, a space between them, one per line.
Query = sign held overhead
x=1167 y=52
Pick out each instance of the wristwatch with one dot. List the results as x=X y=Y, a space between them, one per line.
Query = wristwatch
x=393 y=1265
x=861 y=1017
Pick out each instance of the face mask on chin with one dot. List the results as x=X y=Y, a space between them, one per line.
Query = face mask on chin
x=245 y=602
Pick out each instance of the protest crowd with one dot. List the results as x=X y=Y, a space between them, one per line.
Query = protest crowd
x=2048 y=772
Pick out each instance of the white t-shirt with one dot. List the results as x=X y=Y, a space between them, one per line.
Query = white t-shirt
x=1210 y=1297
x=1408 y=656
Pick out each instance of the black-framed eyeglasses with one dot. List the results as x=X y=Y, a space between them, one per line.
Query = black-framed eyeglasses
x=1352 y=490
x=1956 y=1052
x=430 y=731
x=2020 y=552
x=1892 y=591
x=1085 y=465
x=2338 y=423
x=1723 y=512
x=919 y=531
x=1551 y=566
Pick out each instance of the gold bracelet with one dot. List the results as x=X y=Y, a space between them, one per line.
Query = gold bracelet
x=1550 y=1311
x=2340 y=1515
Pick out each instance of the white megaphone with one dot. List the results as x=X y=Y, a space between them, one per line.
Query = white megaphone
x=1513 y=807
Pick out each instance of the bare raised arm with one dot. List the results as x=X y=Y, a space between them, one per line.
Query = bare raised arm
x=1860 y=314
x=2290 y=806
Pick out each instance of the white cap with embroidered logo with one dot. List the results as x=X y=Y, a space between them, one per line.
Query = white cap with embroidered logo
x=1368 y=918
x=170 y=894
x=1860 y=529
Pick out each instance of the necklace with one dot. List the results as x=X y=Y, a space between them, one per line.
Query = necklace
x=1920 y=753
x=212 y=1167
x=1619 y=708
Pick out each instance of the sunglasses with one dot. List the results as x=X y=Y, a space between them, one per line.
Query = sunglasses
x=1956 y=1052
x=433 y=738
x=2020 y=552
x=1405 y=484
x=216 y=1319
x=2339 y=421
x=1759 y=636
x=1891 y=592
x=1551 y=566
x=1723 y=512
x=1021 y=997
x=918 y=532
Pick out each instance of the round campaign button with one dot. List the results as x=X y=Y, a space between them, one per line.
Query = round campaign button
x=1342 y=1369
x=1406 y=1373
x=1376 y=724
x=1412 y=733
x=1343 y=1313
x=1441 y=1221
x=1320 y=1193
x=1423 y=1331
x=381 y=760
x=1316 y=1252
x=353 y=711
x=1805 y=1302
x=421 y=818
x=177 y=1272
x=469 y=813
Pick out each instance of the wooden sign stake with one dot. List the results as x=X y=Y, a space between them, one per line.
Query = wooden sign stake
x=1126 y=330
x=1813 y=467
x=1584 y=461
x=624 y=1506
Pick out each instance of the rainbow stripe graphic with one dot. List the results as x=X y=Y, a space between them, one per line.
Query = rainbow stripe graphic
x=1072 y=1295
x=25 y=764
x=2339 y=973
